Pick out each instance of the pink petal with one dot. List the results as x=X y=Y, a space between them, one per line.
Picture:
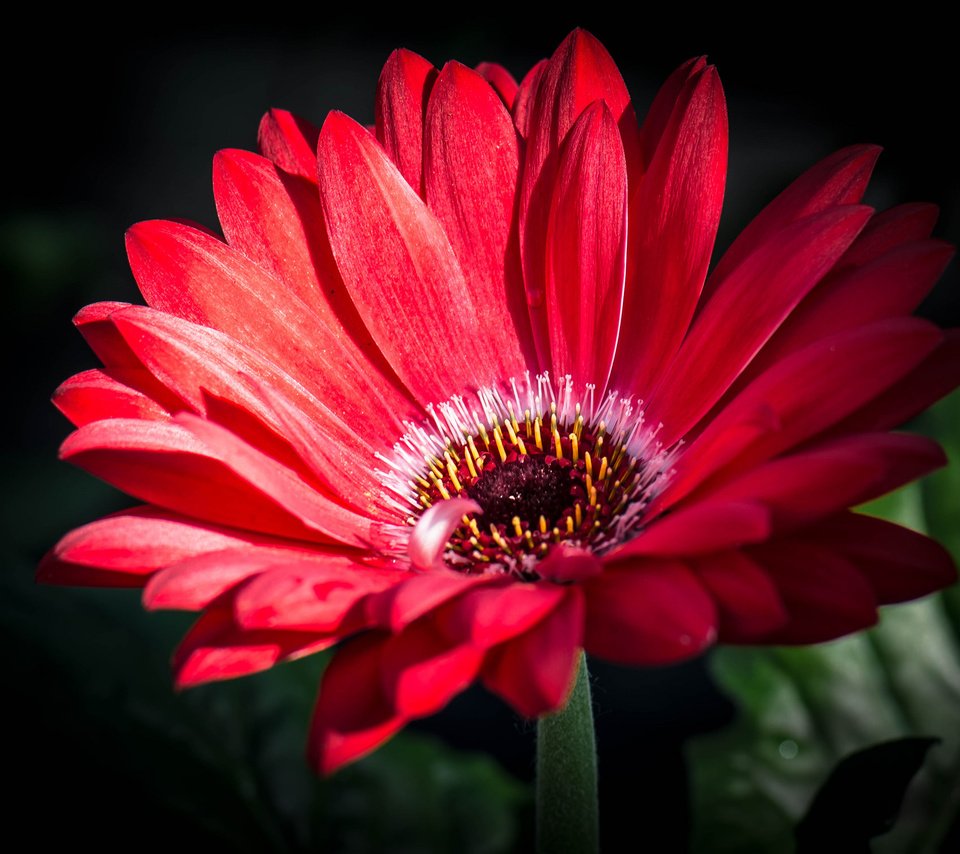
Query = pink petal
x=290 y=142
x=748 y=604
x=674 y=214
x=353 y=715
x=392 y=251
x=433 y=529
x=889 y=229
x=824 y=594
x=405 y=84
x=759 y=293
x=839 y=179
x=471 y=160
x=586 y=248
x=95 y=395
x=488 y=615
x=502 y=81
x=699 y=528
x=191 y=275
x=422 y=671
x=803 y=395
x=653 y=613
x=899 y=564
x=535 y=671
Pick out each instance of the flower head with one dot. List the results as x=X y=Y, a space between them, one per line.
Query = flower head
x=459 y=397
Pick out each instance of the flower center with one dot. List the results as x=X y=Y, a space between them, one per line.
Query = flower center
x=543 y=468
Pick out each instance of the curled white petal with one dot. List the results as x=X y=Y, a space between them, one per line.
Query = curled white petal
x=434 y=528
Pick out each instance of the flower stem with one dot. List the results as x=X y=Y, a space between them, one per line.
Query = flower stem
x=567 y=775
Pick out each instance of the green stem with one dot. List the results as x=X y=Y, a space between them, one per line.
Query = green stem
x=567 y=775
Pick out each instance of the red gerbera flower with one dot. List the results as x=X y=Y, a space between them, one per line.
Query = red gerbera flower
x=459 y=396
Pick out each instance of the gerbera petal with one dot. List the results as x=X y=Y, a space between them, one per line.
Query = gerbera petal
x=402 y=93
x=194 y=276
x=579 y=73
x=352 y=715
x=290 y=142
x=760 y=293
x=654 y=613
x=471 y=161
x=488 y=615
x=808 y=485
x=662 y=109
x=95 y=395
x=747 y=600
x=433 y=529
x=277 y=222
x=503 y=82
x=824 y=594
x=700 y=528
x=136 y=543
x=674 y=213
x=422 y=671
x=166 y=465
x=897 y=226
x=569 y=563
x=586 y=248
x=523 y=103
x=839 y=179
x=311 y=594
x=419 y=594
x=535 y=671
x=215 y=648
x=861 y=364
x=392 y=251
x=899 y=564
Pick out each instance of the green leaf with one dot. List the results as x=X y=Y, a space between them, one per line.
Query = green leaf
x=802 y=710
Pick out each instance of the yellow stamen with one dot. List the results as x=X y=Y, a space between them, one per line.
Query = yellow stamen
x=570 y=523
x=473 y=448
x=529 y=424
x=593 y=496
x=499 y=441
x=521 y=447
x=556 y=444
x=588 y=462
x=543 y=524
x=578 y=513
x=511 y=432
x=536 y=434
x=603 y=469
x=517 y=529
x=574 y=447
x=469 y=459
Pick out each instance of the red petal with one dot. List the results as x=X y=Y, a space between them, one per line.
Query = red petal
x=888 y=229
x=802 y=395
x=290 y=142
x=535 y=671
x=471 y=160
x=759 y=293
x=899 y=564
x=674 y=214
x=808 y=485
x=215 y=648
x=95 y=395
x=658 y=116
x=488 y=615
x=653 y=613
x=933 y=378
x=393 y=252
x=314 y=593
x=890 y=286
x=501 y=80
x=191 y=275
x=699 y=528
x=839 y=179
x=579 y=73
x=523 y=103
x=567 y=562
x=353 y=715
x=422 y=671
x=418 y=594
x=586 y=246
x=405 y=84
x=164 y=464
x=277 y=222
x=748 y=604
x=824 y=594
x=433 y=529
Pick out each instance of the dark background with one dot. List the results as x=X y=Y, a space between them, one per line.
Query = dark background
x=102 y=131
